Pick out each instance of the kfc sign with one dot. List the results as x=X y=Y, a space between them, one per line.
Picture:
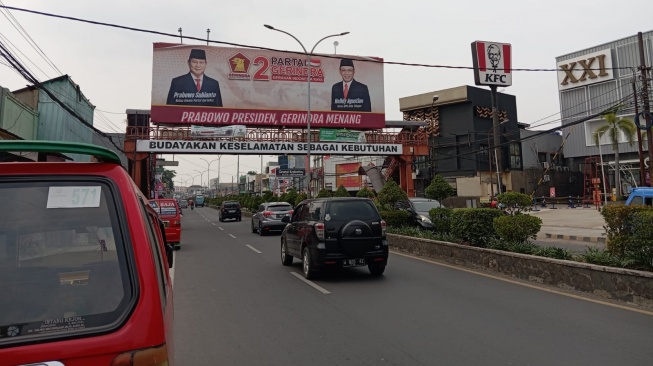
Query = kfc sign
x=492 y=63
x=585 y=70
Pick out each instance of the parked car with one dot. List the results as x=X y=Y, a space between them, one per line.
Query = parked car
x=268 y=217
x=83 y=262
x=640 y=196
x=335 y=232
x=170 y=214
x=419 y=208
x=229 y=210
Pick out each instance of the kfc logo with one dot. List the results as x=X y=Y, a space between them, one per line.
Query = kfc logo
x=492 y=63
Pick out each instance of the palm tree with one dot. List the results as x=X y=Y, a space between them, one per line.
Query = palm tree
x=613 y=127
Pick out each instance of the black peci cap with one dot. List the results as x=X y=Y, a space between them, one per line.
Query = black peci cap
x=197 y=54
x=346 y=62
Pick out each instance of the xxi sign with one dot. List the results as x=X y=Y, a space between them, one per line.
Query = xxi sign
x=585 y=70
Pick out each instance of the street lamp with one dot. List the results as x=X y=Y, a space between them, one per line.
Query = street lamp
x=201 y=177
x=208 y=173
x=308 y=110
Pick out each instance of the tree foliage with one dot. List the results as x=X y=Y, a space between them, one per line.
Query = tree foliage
x=365 y=193
x=323 y=193
x=341 y=192
x=515 y=202
x=615 y=126
x=391 y=193
x=439 y=189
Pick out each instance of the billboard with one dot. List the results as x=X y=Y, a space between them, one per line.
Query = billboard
x=492 y=63
x=216 y=86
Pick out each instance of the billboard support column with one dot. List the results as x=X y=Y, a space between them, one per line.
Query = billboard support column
x=308 y=79
x=497 y=135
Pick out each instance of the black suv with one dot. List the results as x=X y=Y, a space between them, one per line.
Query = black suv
x=335 y=232
x=229 y=210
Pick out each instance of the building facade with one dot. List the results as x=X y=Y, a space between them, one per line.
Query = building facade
x=591 y=82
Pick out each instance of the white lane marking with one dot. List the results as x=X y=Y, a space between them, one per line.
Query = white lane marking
x=220 y=227
x=254 y=249
x=525 y=284
x=213 y=223
x=310 y=283
x=232 y=236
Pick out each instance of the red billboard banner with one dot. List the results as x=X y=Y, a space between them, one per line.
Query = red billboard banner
x=214 y=86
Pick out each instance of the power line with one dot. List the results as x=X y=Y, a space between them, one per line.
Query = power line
x=265 y=48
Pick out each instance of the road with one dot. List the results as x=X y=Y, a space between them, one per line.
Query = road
x=235 y=304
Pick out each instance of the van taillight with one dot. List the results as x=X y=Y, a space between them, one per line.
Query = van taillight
x=155 y=356
x=383 y=226
x=319 y=231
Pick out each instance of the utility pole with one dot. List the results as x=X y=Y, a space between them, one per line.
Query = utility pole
x=642 y=174
x=647 y=111
x=497 y=135
x=238 y=174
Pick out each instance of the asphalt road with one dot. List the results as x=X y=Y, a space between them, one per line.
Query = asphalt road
x=235 y=304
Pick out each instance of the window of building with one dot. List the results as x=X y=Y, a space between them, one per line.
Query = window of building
x=515 y=156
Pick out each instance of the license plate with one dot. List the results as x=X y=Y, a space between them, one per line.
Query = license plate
x=353 y=262
x=232 y=211
x=166 y=223
x=279 y=216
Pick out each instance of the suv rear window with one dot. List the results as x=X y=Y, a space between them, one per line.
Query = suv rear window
x=231 y=204
x=352 y=210
x=62 y=259
x=276 y=208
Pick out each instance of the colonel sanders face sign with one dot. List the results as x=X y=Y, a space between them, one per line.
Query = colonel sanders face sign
x=494 y=54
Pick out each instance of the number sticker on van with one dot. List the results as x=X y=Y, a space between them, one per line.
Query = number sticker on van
x=74 y=197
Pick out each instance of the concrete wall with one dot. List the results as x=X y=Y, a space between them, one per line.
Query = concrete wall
x=610 y=283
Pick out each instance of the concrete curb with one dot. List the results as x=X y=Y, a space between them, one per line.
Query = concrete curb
x=630 y=286
x=587 y=239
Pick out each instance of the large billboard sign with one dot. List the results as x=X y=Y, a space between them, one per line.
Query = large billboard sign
x=216 y=86
x=492 y=63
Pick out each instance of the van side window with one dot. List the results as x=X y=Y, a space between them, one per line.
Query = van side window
x=156 y=246
x=637 y=200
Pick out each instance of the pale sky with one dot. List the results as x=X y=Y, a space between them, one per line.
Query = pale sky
x=114 y=67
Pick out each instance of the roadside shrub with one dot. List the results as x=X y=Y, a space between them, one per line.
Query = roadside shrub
x=515 y=202
x=395 y=218
x=521 y=247
x=439 y=189
x=419 y=233
x=603 y=258
x=391 y=193
x=341 y=192
x=441 y=218
x=619 y=225
x=640 y=248
x=554 y=252
x=474 y=225
x=518 y=228
x=365 y=193
x=300 y=197
x=323 y=193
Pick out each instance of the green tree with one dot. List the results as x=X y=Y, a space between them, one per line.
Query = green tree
x=323 y=193
x=300 y=197
x=613 y=127
x=341 y=192
x=365 y=192
x=391 y=193
x=166 y=179
x=439 y=189
x=515 y=202
x=291 y=196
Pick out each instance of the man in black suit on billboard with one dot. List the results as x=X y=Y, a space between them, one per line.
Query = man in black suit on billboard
x=195 y=88
x=349 y=95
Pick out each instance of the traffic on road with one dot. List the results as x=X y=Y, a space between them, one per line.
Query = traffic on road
x=235 y=303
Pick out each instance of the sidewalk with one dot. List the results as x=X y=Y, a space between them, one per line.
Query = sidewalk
x=582 y=224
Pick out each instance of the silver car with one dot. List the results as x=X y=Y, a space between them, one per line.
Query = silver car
x=268 y=217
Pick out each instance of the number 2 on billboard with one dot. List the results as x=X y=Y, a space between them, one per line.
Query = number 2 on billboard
x=260 y=73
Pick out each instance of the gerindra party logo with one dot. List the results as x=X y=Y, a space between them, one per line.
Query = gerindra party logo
x=239 y=66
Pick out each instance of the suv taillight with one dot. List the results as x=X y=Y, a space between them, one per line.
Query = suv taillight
x=383 y=226
x=290 y=212
x=319 y=231
x=155 y=356
x=267 y=213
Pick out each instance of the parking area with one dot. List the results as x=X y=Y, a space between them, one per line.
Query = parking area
x=580 y=223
